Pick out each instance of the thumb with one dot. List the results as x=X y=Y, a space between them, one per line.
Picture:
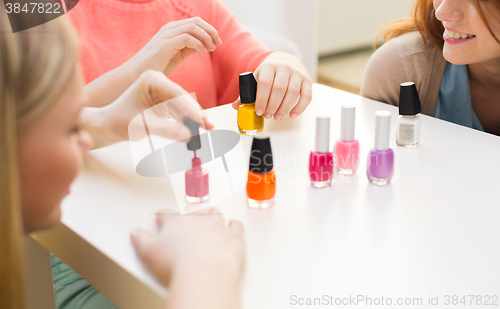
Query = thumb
x=141 y=240
x=206 y=122
x=168 y=129
x=236 y=104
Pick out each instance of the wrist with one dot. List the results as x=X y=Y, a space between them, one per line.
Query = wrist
x=285 y=58
x=91 y=120
x=95 y=122
x=207 y=284
x=130 y=70
x=217 y=268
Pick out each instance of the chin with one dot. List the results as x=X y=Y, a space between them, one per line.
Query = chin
x=55 y=217
x=455 y=59
x=50 y=221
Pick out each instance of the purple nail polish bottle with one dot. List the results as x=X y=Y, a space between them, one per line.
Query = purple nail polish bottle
x=381 y=158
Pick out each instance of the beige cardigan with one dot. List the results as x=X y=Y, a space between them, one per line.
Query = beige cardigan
x=404 y=59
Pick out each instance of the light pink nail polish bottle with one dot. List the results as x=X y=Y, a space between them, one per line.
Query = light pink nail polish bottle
x=197 y=190
x=346 y=150
x=196 y=178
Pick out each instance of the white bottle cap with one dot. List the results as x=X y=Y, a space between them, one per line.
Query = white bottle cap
x=322 y=134
x=382 y=129
x=347 y=123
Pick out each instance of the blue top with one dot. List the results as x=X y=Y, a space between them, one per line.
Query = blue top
x=454 y=101
x=73 y=292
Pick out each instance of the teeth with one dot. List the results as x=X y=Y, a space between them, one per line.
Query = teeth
x=455 y=35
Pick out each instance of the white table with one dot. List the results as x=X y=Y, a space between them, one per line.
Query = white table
x=433 y=231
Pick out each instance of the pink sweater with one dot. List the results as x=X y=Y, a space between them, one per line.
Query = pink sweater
x=112 y=31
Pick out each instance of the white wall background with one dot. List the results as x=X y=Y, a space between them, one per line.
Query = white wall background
x=296 y=20
x=321 y=27
x=350 y=24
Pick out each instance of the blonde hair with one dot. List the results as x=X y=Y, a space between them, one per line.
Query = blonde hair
x=35 y=67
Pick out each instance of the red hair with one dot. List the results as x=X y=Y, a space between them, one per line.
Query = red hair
x=424 y=21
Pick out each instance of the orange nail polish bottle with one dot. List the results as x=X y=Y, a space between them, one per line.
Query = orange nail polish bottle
x=261 y=184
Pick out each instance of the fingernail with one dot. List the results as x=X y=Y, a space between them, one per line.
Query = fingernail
x=219 y=41
x=259 y=112
x=278 y=117
x=183 y=133
x=293 y=115
x=268 y=115
x=134 y=233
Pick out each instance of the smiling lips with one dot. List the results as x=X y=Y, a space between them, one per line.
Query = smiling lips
x=454 y=38
x=456 y=35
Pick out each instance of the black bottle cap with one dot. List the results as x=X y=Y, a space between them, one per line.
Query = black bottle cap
x=248 y=88
x=261 y=157
x=195 y=141
x=409 y=102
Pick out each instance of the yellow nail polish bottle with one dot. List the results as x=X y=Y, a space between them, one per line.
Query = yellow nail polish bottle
x=249 y=122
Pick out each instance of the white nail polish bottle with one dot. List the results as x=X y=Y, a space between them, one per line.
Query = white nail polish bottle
x=409 y=125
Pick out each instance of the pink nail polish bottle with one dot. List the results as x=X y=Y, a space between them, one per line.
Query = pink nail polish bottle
x=346 y=150
x=196 y=178
x=197 y=182
x=321 y=159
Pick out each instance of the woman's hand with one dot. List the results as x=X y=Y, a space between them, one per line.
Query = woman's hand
x=197 y=256
x=171 y=45
x=154 y=92
x=284 y=87
x=175 y=42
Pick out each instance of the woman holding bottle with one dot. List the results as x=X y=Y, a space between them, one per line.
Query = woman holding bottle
x=42 y=144
x=198 y=44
